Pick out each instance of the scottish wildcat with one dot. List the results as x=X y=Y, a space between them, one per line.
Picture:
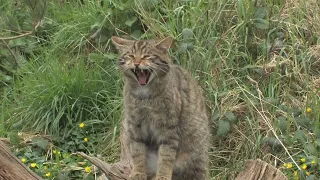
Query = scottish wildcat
x=165 y=114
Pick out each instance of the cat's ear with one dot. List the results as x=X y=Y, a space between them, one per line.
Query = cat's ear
x=121 y=43
x=164 y=44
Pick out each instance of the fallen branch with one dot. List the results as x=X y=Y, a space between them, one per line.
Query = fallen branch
x=22 y=35
x=115 y=172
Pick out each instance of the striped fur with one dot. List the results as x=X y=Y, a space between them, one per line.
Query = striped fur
x=166 y=124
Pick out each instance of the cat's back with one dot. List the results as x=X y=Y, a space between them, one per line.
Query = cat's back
x=189 y=89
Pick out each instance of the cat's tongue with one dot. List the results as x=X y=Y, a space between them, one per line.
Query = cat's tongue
x=142 y=77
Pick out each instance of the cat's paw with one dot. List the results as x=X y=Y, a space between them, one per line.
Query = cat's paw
x=138 y=176
x=160 y=178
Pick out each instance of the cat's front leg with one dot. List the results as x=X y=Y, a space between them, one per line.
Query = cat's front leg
x=167 y=154
x=138 y=152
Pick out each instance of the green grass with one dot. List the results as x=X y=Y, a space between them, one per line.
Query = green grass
x=258 y=62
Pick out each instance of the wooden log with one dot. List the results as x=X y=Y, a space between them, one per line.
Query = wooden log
x=257 y=169
x=11 y=168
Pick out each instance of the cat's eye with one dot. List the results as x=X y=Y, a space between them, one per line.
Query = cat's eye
x=145 y=56
x=131 y=56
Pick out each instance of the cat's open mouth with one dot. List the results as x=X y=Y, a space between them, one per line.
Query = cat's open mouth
x=142 y=75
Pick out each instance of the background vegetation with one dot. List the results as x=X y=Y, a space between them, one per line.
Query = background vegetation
x=258 y=61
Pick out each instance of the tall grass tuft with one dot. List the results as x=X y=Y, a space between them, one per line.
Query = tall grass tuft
x=53 y=97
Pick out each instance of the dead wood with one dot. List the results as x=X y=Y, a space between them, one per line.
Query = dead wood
x=257 y=169
x=11 y=168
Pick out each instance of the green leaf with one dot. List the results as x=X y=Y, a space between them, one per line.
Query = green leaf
x=282 y=123
x=261 y=12
x=187 y=33
x=136 y=34
x=302 y=121
x=296 y=112
x=311 y=148
x=70 y=143
x=311 y=177
x=318 y=142
x=28 y=155
x=264 y=47
x=189 y=46
x=261 y=23
x=183 y=48
x=300 y=135
x=130 y=21
x=215 y=115
x=283 y=108
x=81 y=146
x=231 y=117
x=64 y=175
x=223 y=128
x=40 y=142
x=273 y=142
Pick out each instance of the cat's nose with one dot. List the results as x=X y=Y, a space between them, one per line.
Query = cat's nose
x=136 y=64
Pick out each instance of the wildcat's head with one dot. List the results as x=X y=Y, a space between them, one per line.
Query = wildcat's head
x=143 y=60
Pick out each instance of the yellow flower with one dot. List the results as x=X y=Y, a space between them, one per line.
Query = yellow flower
x=285 y=165
x=303 y=160
x=48 y=174
x=308 y=173
x=309 y=110
x=304 y=166
x=87 y=169
x=295 y=174
x=314 y=163
x=54 y=151
x=81 y=125
x=33 y=165
x=289 y=165
x=85 y=139
x=23 y=160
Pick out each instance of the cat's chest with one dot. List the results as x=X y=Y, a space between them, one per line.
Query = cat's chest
x=150 y=133
x=145 y=126
x=147 y=119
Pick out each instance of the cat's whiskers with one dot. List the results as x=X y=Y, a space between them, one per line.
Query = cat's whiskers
x=161 y=68
x=152 y=70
